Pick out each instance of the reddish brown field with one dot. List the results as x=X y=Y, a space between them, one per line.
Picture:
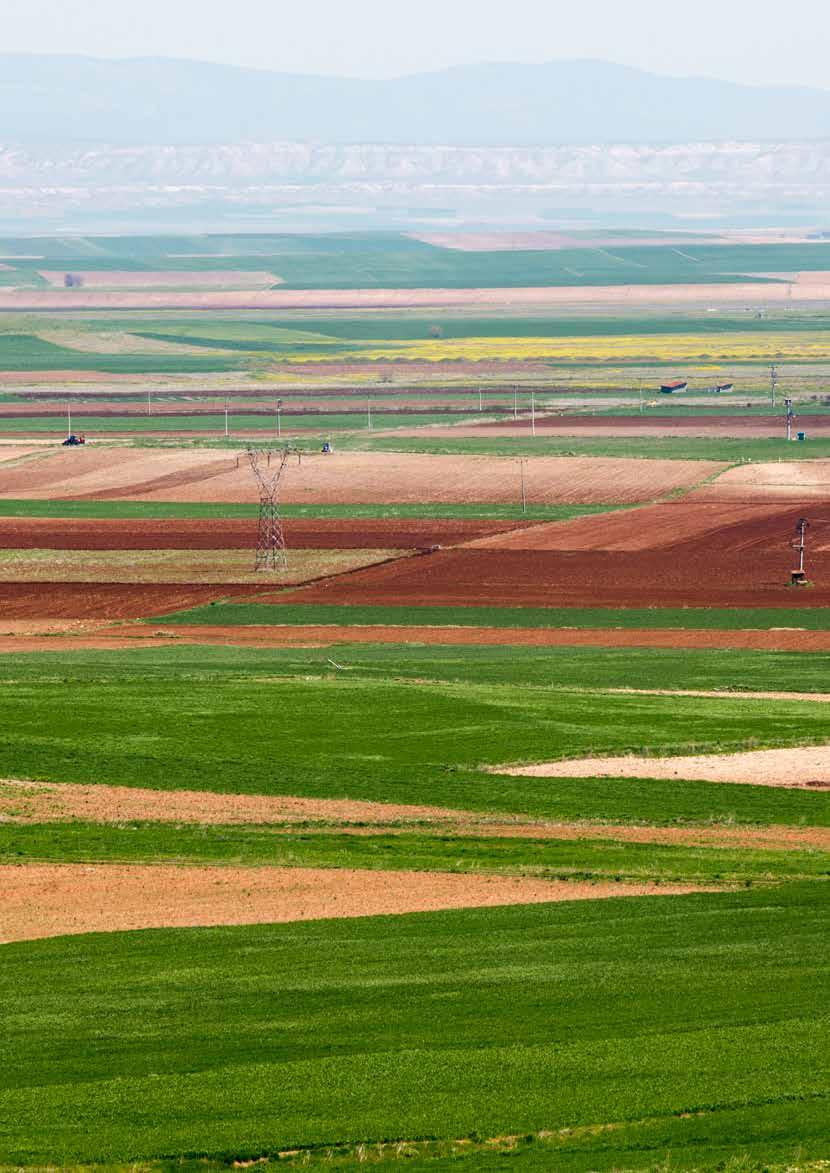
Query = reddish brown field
x=43 y=533
x=744 y=563
x=80 y=600
x=659 y=527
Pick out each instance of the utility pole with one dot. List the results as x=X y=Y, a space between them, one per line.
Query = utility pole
x=369 y=412
x=226 y=420
x=773 y=383
x=515 y=402
x=480 y=408
x=149 y=412
x=68 y=418
x=641 y=396
x=798 y=577
x=278 y=410
x=533 y=413
x=522 y=464
x=788 y=404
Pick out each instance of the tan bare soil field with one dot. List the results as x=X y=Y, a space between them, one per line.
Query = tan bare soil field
x=9 y=452
x=352 y=477
x=597 y=296
x=804 y=481
x=37 y=802
x=166 y=279
x=47 y=900
x=114 y=472
x=803 y=767
x=544 y=241
x=178 y=566
x=40 y=802
x=783 y=639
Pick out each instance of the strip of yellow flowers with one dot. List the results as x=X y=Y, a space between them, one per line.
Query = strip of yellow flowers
x=669 y=348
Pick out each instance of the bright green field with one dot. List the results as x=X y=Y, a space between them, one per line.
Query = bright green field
x=602 y=1035
x=315 y=422
x=27 y=352
x=662 y=448
x=403 y=725
x=695 y=1024
x=25 y=507
x=551 y=859
x=652 y=618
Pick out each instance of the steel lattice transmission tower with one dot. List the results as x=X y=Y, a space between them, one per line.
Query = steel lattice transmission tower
x=270 y=542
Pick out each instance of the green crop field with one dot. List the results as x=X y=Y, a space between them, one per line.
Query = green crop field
x=27 y=352
x=390 y=260
x=690 y=1025
x=408 y=727
x=316 y=422
x=668 y=1031
x=732 y=450
x=11 y=507
x=651 y=618
x=587 y=859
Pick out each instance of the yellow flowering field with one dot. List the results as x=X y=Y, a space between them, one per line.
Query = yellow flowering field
x=738 y=347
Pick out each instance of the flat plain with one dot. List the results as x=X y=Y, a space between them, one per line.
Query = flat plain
x=493 y=832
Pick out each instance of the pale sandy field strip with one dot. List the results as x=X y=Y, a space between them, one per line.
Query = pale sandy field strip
x=803 y=766
x=47 y=900
x=781 y=481
x=817 y=289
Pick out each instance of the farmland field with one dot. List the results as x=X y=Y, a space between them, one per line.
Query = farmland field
x=491 y=832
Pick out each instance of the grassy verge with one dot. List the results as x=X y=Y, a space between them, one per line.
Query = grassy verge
x=696 y=1023
x=651 y=618
x=582 y=860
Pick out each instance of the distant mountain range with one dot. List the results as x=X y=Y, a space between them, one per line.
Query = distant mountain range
x=61 y=100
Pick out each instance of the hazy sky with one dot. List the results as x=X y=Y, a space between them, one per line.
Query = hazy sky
x=742 y=40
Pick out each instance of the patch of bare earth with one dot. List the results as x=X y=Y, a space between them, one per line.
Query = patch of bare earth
x=46 y=802
x=37 y=802
x=320 y=635
x=48 y=900
x=803 y=767
x=595 y=296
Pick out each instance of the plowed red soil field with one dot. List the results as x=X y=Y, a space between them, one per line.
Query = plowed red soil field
x=43 y=533
x=81 y=600
x=743 y=564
